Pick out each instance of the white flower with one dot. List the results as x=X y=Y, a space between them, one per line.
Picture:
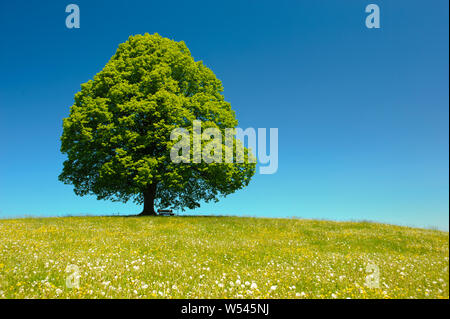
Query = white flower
x=254 y=285
x=273 y=287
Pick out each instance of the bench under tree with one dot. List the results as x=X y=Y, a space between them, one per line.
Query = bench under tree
x=165 y=212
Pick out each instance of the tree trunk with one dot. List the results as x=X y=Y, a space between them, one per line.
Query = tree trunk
x=149 y=200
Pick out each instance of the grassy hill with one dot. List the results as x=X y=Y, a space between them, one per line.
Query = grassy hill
x=219 y=257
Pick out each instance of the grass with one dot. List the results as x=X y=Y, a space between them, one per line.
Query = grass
x=219 y=257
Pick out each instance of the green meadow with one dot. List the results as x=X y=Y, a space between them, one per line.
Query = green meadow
x=219 y=257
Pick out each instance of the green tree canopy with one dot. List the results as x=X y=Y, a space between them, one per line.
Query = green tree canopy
x=117 y=136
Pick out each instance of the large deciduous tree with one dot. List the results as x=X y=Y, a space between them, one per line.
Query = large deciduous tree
x=117 y=136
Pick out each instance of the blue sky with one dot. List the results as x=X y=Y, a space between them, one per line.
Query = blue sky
x=362 y=113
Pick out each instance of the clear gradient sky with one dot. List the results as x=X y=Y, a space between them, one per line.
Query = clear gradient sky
x=362 y=113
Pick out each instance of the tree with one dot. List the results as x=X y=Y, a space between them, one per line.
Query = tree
x=117 y=136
